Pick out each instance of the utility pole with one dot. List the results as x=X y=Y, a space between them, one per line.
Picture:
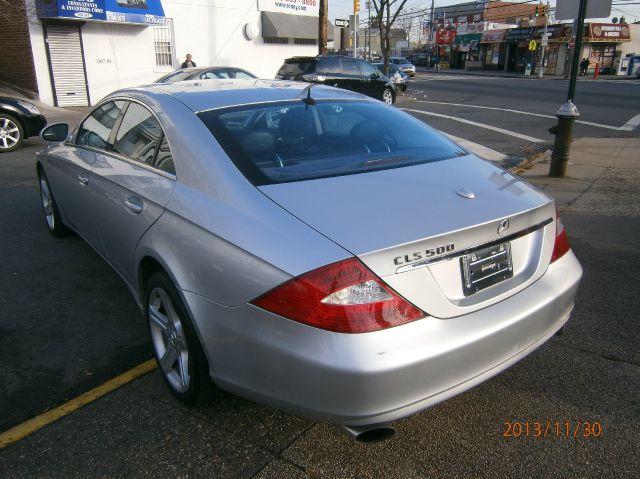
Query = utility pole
x=356 y=9
x=543 y=43
x=369 y=30
x=322 y=26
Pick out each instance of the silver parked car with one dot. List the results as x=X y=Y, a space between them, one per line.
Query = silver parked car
x=309 y=247
x=403 y=65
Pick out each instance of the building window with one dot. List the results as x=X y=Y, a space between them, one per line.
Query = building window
x=164 y=46
x=306 y=41
x=476 y=17
x=276 y=40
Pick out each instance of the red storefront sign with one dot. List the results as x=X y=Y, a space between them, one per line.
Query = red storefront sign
x=608 y=32
x=493 y=36
x=445 y=37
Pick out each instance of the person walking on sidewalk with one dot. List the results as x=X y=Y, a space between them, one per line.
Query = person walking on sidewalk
x=584 y=65
x=188 y=63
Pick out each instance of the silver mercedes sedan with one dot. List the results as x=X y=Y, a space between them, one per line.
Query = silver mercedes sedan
x=309 y=247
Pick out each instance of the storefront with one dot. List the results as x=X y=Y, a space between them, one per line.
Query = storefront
x=492 y=50
x=85 y=49
x=517 y=54
x=466 y=51
x=444 y=40
x=554 y=51
x=604 y=41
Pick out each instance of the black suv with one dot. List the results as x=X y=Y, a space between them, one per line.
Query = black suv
x=343 y=72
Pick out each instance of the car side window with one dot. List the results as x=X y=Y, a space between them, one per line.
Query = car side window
x=241 y=75
x=350 y=67
x=96 y=129
x=139 y=135
x=330 y=66
x=367 y=69
x=164 y=159
x=210 y=76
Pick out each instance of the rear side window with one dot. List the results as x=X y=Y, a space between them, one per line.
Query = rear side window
x=139 y=135
x=292 y=141
x=367 y=69
x=297 y=67
x=96 y=129
x=330 y=66
x=350 y=67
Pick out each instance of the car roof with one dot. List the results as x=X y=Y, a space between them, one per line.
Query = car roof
x=201 y=95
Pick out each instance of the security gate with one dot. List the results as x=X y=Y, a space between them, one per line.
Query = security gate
x=66 y=63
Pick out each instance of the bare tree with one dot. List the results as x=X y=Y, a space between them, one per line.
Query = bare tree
x=387 y=12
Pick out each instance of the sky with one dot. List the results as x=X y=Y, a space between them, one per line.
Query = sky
x=630 y=9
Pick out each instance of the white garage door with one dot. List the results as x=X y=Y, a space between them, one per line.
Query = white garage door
x=64 y=47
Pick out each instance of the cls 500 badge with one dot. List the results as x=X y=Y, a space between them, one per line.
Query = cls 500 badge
x=418 y=255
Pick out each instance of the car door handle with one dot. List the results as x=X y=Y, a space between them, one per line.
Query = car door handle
x=83 y=180
x=134 y=204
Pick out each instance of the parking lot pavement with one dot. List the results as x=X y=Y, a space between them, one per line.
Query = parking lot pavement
x=590 y=375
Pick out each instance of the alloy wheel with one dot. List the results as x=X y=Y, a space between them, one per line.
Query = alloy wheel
x=47 y=203
x=9 y=133
x=387 y=97
x=168 y=338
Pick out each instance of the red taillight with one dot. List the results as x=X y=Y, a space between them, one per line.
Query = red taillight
x=561 y=245
x=344 y=297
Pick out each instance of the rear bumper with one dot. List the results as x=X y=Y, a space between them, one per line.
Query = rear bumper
x=377 y=377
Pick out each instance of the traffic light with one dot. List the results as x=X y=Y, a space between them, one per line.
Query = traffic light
x=537 y=10
x=540 y=11
x=356 y=6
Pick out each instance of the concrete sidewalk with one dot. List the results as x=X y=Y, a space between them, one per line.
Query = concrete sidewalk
x=533 y=76
x=596 y=165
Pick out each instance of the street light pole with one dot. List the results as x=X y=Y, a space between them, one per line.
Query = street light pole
x=544 y=39
x=322 y=27
x=568 y=112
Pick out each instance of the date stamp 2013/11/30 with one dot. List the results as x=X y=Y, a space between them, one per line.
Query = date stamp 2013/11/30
x=549 y=428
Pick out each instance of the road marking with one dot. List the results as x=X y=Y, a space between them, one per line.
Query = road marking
x=633 y=123
x=478 y=149
x=626 y=127
x=32 y=425
x=480 y=125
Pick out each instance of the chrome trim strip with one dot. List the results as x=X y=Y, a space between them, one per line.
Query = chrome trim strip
x=456 y=254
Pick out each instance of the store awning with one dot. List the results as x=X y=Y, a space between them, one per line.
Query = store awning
x=493 y=36
x=467 y=39
x=284 y=25
x=139 y=12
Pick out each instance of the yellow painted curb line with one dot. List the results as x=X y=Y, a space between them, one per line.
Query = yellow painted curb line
x=32 y=425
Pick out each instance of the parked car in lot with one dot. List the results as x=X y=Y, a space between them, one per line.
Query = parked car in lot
x=19 y=119
x=404 y=65
x=310 y=248
x=399 y=79
x=342 y=72
x=206 y=73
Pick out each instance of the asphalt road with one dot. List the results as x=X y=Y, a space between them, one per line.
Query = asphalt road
x=464 y=97
x=68 y=324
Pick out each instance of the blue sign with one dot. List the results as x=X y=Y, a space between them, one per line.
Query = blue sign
x=115 y=11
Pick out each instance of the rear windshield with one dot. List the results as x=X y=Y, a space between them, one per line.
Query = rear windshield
x=175 y=76
x=292 y=141
x=297 y=67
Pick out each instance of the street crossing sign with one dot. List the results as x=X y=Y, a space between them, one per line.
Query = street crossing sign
x=533 y=45
x=342 y=23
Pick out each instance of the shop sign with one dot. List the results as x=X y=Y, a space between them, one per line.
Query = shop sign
x=445 y=37
x=466 y=28
x=493 y=36
x=116 y=11
x=518 y=34
x=310 y=8
x=608 y=32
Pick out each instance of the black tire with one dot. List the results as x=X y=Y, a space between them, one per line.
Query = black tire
x=11 y=133
x=194 y=387
x=50 y=210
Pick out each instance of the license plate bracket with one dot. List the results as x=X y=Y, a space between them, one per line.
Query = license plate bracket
x=485 y=267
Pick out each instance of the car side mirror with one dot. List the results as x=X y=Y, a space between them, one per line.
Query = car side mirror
x=55 y=133
x=375 y=76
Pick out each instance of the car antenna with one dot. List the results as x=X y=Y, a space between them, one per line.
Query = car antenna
x=308 y=100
